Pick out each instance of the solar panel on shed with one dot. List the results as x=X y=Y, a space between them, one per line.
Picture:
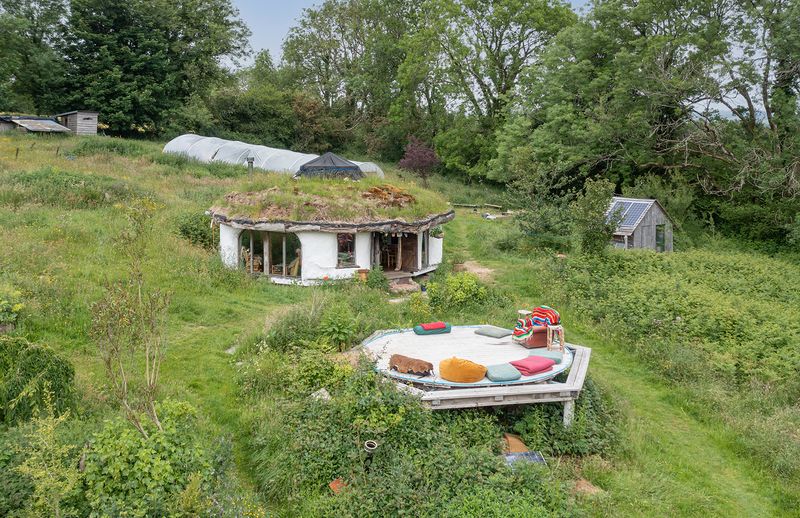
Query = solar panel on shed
x=633 y=213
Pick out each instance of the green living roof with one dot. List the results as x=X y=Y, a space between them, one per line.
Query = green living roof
x=280 y=198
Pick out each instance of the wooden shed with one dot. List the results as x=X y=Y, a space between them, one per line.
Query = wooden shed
x=81 y=122
x=643 y=224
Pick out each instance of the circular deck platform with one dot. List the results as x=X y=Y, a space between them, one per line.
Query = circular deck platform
x=461 y=342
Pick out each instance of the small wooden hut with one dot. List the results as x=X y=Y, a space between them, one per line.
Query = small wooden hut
x=81 y=122
x=643 y=223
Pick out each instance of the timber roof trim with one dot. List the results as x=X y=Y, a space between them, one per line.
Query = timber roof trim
x=279 y=225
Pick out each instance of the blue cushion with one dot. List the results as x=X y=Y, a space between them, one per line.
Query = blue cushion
x=493 y=331
x=502 y=372
x=556 y=356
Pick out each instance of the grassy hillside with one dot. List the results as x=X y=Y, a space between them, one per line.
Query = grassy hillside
x=695 y=352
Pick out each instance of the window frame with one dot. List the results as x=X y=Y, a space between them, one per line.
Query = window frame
x=339 y=264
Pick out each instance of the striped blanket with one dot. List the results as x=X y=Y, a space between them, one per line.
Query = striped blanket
x=539 y=319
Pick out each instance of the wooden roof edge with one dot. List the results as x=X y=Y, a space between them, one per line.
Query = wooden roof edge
x=393 y=225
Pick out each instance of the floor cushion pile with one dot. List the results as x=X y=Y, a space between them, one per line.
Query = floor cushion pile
x=493 y=331
x=433 y=328
x=459 y=370
x=502 y=372
x=533 y=365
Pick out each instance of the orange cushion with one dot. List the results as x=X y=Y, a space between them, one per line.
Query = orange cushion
x=459 y=370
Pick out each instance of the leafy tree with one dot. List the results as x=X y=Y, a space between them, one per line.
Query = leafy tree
x=420 y=159
x=139 y=61
x=592 y=227
x=486 y=45
x=30 y=66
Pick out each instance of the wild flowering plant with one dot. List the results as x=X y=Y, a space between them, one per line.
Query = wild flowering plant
x=10 y=305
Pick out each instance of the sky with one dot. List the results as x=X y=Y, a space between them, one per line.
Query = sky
x=270 y=20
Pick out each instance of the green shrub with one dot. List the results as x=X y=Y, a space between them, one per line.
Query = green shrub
x=110 y=146
x=593 y=431
x=50 y=186
x=339 y=325
x=377 y=280
x=457 y=290
x=10 y=305
x=130 y=475
x=34 y=369
x=196 y=228
x=298 y=325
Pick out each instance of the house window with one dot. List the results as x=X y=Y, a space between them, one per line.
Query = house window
x=346 y=251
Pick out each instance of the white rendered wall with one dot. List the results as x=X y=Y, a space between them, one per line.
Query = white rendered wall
x=320 y=249
x=435 y=252
x=229 y=245
x=363 y=249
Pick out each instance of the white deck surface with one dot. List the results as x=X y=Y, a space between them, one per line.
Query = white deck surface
x=461 y=342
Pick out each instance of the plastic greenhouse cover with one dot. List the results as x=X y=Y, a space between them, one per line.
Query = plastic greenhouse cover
x=212 y=149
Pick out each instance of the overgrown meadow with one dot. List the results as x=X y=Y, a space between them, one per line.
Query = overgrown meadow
x=691 y=406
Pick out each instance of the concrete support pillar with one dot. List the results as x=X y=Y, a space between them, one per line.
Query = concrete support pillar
x=569 y=412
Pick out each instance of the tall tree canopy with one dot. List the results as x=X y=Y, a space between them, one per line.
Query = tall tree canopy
x=140 y=60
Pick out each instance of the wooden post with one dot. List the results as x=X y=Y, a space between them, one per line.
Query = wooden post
x=265 y=240
x=284 y=254
x=569 y=412
x=58 y=148
x=16 y=155
x=251 y=251
x=399 y=259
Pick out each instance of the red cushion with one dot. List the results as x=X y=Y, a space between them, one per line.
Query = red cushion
x=433 y=325
x=533 y=365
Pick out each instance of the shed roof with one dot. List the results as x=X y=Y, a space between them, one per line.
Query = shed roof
x=76 y=111
x=632 y=211
x=37 y=125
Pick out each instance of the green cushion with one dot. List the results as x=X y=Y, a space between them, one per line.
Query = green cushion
x=557 y=356
x=502 y=372
x=493 y=331
x=446 y=329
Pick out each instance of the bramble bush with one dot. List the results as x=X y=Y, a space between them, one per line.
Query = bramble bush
x=593 y=431
x=422 y=461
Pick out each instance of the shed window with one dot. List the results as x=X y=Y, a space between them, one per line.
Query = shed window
x=660 y=237
x=346 y=251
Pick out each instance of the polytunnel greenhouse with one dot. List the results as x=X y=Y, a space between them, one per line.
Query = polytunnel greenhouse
x=213 y=149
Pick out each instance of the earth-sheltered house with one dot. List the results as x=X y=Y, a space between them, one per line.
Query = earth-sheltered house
x=304 y=231
x=309 y=220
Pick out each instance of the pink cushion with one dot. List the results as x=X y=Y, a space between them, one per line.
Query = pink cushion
x=533 y=365
x=433 y=325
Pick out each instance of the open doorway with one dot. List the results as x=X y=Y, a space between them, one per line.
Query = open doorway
x=395 y=252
